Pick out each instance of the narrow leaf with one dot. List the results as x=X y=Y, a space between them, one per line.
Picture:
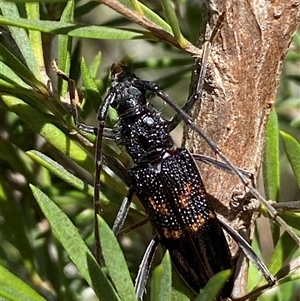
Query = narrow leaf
x=49 y=131
x=14 y=289
x=77 y=30
x=213 y=286
x=33 y=13
x=9 y=75
x=285 y=245
x=43 y=125
x=137 y=6
x=8 y=58
x=95 y=65
x=90 y=86
x=292 y=218
x=65 y=46
x=292 y=150
x=20 y=36
x=149 y=14
x=79 y=253
x=60 y=172
x=173 y=21
x=115 y=262
x=162 y=280
x=271 y=159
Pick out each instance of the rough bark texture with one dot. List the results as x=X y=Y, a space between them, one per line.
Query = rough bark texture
x=240 y=89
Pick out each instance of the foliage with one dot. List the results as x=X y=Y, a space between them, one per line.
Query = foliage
x=46 y=169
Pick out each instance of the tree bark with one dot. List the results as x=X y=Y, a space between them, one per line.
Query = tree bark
x=239 y=92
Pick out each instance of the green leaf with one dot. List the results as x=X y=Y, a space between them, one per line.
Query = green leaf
x=162 y=280
x=95 y=65
x=293 y=56
x=213 y=286
x=20 y=36
x=93 y=94
x=35 y=37
x=90 y=86
x=150 y=15
x=49 y=131
x=137 y=6
x=285 y=245
x=178 y=295
x=288 y=288
x=6 y=87
x=173 y=21
x=79 y=253
x=43 y=125
x=292 y=150
x=65 y=46
x=271 y=159
x=10 y=60
x=69 y=178
x=9 y=75
x=60 y=172
x=77 y=30
x=14 y=289
x=292 y=218
x=115 y=262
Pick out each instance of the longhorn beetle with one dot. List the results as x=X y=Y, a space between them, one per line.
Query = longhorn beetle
x=167 y=182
